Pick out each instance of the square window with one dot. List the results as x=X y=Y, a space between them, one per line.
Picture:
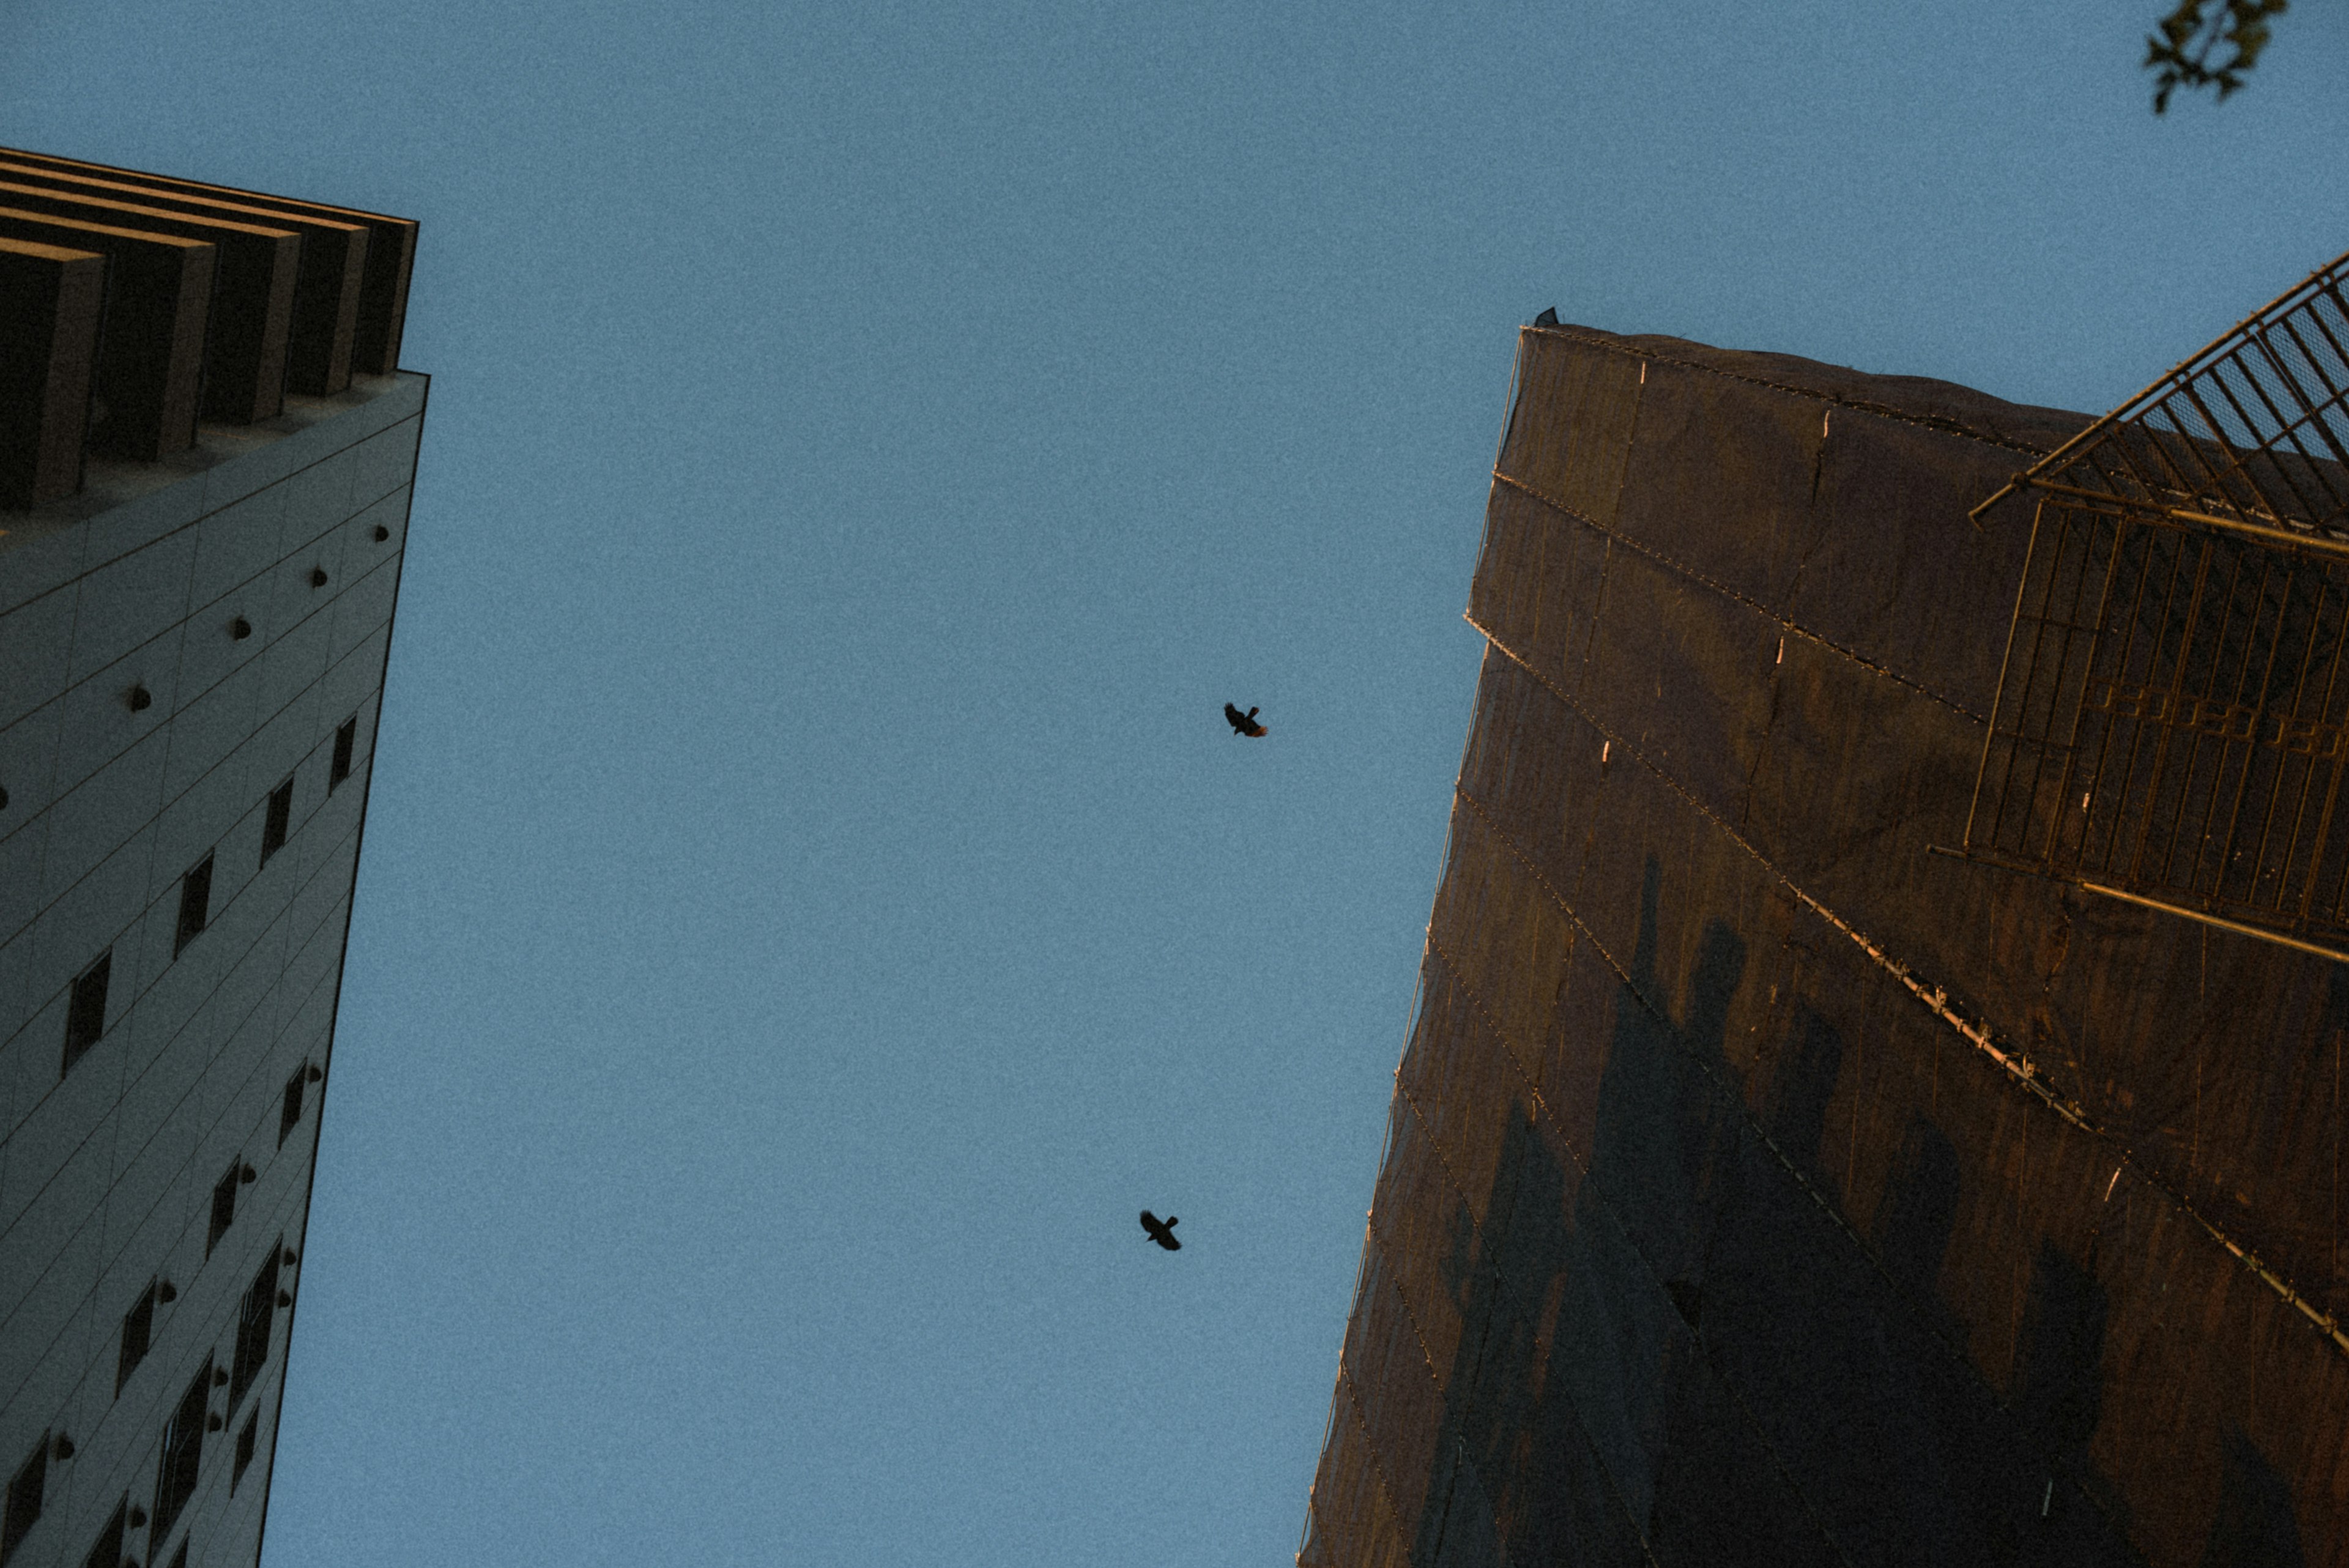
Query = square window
x=24 y=1504
x=195 y=904
x=137 y=1331
x=85 y=1012
x=183 y=1447
x=255 y=1321
x=274 y=826
x=347 y=735
x=107 y=1551
x=244 y=1442
x=223 y=1209
x=289 y=1114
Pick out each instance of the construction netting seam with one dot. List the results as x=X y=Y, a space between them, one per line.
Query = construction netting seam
x=1692 y=574
x=1878 y=411
x=2017 y=1067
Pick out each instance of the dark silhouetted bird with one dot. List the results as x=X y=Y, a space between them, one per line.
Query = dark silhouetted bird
x=1243 y=723
x=1548 y=317
x=1161 y=1230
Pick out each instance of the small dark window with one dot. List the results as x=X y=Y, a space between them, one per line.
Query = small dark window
x=137 y=1331
x=24 y=1504
x=254 y=1322
x=347 y=735
x=289 y=1115
x=107 y=1551
x=280 y=818
x=195 y=904
x=183 y=1447
x=223 y=1209
x=244 y=1441
x=85 y=1012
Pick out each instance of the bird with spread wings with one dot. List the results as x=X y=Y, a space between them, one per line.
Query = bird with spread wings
x=1243 y=723
x=1161 y=1230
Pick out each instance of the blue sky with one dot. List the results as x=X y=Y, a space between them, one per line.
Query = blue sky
x=810 y=901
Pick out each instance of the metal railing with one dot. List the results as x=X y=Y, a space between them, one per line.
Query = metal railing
x=2251 y=432
x=2172 y=719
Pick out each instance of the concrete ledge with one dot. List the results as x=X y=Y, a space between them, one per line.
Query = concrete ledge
x=135 y=504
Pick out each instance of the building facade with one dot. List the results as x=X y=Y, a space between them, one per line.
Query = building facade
x=207 y=452
x=1773 y=1175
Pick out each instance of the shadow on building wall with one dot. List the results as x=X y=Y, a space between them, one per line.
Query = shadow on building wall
x=2254 y=1527
x=1681 y=1355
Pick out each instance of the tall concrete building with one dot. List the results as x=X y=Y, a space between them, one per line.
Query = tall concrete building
x=206 y=451
x=1876 y=1091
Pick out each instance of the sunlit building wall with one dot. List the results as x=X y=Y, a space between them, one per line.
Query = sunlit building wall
x=1766 y=1181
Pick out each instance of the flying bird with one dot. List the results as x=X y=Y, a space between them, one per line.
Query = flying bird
x=1243 y=723
x=1161 y=1230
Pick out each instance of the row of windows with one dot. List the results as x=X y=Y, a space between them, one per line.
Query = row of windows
x=183 y=1434
x=86 y=1008
x=23 y=1507
x=138 y=1323
x=107 y=1552
x=180 y=1463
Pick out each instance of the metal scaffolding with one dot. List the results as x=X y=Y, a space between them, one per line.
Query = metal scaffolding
x=2172 y=724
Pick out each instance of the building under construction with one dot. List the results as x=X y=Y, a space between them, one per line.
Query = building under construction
x=1876 y=1091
